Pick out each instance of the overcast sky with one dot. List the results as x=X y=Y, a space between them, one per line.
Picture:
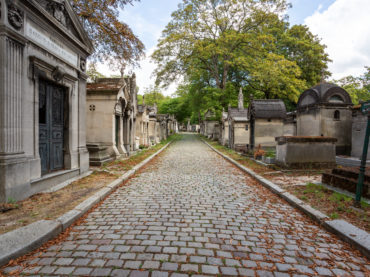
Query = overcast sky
x=343 y=26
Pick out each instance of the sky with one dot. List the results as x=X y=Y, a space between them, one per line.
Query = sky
x=342 y=25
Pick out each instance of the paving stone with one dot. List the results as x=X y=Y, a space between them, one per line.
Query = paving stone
x=198 y=259
x=120 y=272
x=151 y=265
x=47 y=269
x=132 y=264
x=210 y=269
x=98 y=263
x=229 y=271
x=264 y=273
x=214 y=261
x=246 y=272
x=170 y=266
x=64 y=270
x=63 y=261
x=137 y=273
x=189 y=267
x=82 y=271
x=283 y=267
x=248 y=263
x=159 y=274
x=322 y=271
x=192 y=209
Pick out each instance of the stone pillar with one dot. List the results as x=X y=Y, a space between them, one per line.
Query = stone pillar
x=14 y=167
x=82 y=149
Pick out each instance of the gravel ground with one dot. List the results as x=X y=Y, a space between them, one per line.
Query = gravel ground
x=191 y=213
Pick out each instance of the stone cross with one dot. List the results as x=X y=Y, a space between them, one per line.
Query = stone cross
x=241 y=99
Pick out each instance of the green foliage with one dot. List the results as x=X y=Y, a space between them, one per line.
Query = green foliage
x=11 y=200
x=93 y=73
x=178 y=106
x=220 y=46
x=153 y=96
x=357 y=87
x=334 y=216
x=270 y=154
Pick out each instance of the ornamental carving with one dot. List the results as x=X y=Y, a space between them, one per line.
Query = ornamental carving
x=83 y=65
x=15 y=16
x=59 y=12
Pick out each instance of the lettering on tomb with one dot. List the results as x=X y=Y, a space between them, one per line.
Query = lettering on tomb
x=51 y=44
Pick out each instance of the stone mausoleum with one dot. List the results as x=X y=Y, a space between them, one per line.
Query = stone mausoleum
x=325 y=110
x=43 y=51
x=111 y=117
x=266 y=122
x=238 y=126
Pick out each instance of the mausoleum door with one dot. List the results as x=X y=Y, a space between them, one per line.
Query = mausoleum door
x=117 y=129
x=51 y=126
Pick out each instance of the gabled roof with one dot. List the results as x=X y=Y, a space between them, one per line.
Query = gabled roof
x=106 y=85
x=61 y=14
x=237 y=113
x=267 y=108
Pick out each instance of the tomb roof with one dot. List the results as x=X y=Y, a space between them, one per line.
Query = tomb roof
x=236 y=112
x=324 y=93
x=106 y=84
x=268 y=108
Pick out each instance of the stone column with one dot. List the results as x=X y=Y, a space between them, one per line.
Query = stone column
x=14 y=168
x=82 y=149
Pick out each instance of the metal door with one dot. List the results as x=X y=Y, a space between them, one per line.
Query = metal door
x=51 y=126
x=117 y=130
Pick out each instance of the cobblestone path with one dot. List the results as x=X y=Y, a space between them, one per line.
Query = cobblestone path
x=191 y=213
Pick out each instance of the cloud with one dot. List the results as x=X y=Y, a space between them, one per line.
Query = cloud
x=344 y=29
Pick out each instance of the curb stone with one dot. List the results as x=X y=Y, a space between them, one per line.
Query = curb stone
x=355 y=236
x=23 y=240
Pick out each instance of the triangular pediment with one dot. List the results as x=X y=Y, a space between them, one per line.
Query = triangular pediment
x=62 y=14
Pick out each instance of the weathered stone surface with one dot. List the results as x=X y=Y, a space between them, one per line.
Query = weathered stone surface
x=192 y=210
x=26 y=239
x=352 y=234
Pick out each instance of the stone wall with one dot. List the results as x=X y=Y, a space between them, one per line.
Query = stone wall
x=321 y=121
x=241 y=135
x=266 y=131
x=359 y=123
x=305 y=152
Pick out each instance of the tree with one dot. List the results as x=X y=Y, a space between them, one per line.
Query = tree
x=113 y=40
x=153 y=96
x=357 y=87
x=219 y=46
x=93 y=73
x=213 y=36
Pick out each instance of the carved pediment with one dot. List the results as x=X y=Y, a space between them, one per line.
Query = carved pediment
x=64 y=15
x=58 y=10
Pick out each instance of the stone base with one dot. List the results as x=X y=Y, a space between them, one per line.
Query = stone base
x=14 y=178
x=305 y=152
x=50 y=180
x=347 y=179
x=98 y=154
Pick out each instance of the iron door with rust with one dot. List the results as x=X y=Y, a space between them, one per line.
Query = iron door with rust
x=51 y=126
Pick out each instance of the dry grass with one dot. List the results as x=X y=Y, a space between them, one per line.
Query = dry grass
x=54 y=204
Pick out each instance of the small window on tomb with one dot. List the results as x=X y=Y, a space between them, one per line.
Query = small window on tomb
x=337 y=115
x=336 y=99
x=269 y=120
x=246 y=127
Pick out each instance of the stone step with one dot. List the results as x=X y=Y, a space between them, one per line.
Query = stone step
x=345 y=183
